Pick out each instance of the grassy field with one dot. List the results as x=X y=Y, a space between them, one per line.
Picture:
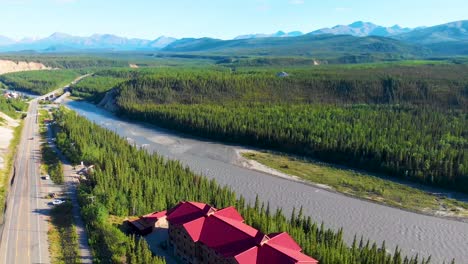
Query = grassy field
x=362 y=185
x=63 y=239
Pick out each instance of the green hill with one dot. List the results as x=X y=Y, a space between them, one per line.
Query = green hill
x=450 y=32
x=344 y=48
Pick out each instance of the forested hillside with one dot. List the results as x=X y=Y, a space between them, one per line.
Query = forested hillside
x=440 y=85
x=38 y=82
x=129 y=181
x=94 y=89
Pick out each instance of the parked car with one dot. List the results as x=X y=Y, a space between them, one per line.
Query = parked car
x=57 y=202
x=46 y=177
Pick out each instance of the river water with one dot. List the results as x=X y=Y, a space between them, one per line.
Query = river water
x=444 y=239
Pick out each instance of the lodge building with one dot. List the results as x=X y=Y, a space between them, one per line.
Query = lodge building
x=199 y=233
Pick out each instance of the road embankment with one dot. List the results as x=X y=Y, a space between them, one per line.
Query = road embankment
x=10 y=133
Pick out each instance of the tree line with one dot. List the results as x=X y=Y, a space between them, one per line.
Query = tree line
x=441 y=86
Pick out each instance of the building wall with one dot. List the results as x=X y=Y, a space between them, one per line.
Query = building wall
x=209 y=256
x=183 y=246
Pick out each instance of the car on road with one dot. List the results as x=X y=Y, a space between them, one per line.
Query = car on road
x=45 y=177
x=57 y=202
x=31 y=138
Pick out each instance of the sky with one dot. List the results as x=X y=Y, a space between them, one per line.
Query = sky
x=223 y=19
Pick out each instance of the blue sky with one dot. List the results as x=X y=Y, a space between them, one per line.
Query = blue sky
x=213 y=18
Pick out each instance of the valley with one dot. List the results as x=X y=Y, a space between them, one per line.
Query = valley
x=240 y=132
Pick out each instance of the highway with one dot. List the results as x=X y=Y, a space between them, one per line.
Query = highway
x=24 y=238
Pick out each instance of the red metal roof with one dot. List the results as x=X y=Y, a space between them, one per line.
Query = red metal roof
x=248 y=257
x=275 y=254
x=230 y=212
x=194 y=228
x=285 y=240
x=197 y=204
x=153 y=217
x=226 y=236
x=225 y=232
x=187 y=211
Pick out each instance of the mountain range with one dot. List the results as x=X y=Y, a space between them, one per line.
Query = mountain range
x=450 y=32
x=4 y=41
x=279 y=34
x=363 y=29
x=374 y=38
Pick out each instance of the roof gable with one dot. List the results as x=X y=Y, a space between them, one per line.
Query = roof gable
x=230 y=212
x=247 y=257
x=187 y=211
x=284 y=240
x=194 y=228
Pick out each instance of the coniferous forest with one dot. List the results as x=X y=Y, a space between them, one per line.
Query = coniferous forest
x=130 y=181
x=421 y=144
x=407 y=121
x=38 y=82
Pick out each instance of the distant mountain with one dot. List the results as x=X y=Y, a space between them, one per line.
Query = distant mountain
x=65 y=42
x=161 y=42
x=96 y=41
x=275 y=35
x=359 y=38
x=450 y=32
x=341 y=48
x=362 y=29
x=5 y=41
x=194 y=44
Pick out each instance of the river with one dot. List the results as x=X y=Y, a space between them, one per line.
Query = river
x=444 y=239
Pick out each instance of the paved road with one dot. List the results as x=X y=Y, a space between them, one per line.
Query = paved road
x=24 y=237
